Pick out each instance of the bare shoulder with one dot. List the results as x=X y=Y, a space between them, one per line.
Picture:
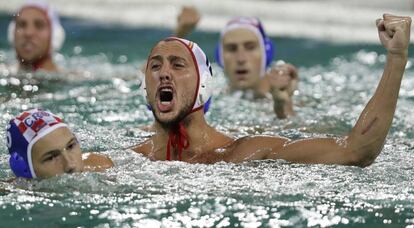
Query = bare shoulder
x=254 y=147
x=96 y=162
x=143 y=148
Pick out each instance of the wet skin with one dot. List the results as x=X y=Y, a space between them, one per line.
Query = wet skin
x=171 y=73
x=59 y=152
x=360 y=147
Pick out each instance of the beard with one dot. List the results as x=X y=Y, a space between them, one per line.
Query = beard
x=168 y=124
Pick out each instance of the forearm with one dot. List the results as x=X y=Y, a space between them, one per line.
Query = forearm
x=181 y=32
x=315 y=151
x=283 y=109
x=184 y=29
x=186 y=21
x=282 y=103
x=279 y=109
x=371 y=129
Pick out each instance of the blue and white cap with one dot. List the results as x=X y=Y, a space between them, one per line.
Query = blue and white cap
x=204 y=74
x=58 y=33
x=253 y=24
x=23 y=132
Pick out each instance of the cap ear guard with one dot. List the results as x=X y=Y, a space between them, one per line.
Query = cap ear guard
x=143 y=88
x=205 y=83
x=206 y=106
x=10 y=32
x=219 y=59
x=19 y=166
x=269 y=48
x=268 y=44
x=204 y=92
x=58 y=37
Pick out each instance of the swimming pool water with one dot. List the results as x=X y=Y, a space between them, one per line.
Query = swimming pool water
x=101 y=101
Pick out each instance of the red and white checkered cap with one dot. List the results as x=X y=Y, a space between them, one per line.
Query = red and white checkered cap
x=28 y=128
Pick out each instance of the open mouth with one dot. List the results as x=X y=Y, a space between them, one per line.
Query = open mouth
x=166 y=98
x=242 y=72
x=166 y=95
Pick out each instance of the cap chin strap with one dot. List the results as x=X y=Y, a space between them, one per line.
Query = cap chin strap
x=178 y=139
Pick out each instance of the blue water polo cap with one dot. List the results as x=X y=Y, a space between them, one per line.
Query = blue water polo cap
x=22 y=133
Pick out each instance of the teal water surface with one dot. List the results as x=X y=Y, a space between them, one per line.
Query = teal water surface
x=101 y=101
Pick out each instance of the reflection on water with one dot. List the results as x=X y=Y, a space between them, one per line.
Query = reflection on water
x=102 y=103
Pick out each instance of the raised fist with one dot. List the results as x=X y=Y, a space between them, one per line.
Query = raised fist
x=283 y=77
x=187 y=21
x=394 y=33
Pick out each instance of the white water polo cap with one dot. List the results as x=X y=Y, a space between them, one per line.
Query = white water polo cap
x=57 y=32
x=203 y=94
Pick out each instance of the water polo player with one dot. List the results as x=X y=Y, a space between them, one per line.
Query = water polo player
x=175 y=69
x=41 y=145
x=246 y=53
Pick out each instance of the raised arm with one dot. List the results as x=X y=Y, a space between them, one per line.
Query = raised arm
x=363 y=144
x=283 y=81
x=186 y=21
